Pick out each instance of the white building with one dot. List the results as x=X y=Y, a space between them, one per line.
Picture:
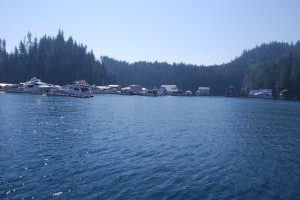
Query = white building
x=115 y=87
x=135 y=89
x=168 y=90
x=203 y=91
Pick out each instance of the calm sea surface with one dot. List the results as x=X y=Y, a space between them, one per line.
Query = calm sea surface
x=131 y=147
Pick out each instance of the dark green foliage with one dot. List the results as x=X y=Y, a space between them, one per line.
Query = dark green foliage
x=54 y=60
x=59 y=61
x=280 y=71
x=186 y=77
x=275 y=66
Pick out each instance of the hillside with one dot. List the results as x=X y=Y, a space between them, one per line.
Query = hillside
x=54 y=60
x=274 y=65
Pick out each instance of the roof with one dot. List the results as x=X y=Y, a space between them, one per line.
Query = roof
x=203 y=88
x=139 y=86
x=103 y=87
x=5 y=84
x=170 y=88
x=114 y=85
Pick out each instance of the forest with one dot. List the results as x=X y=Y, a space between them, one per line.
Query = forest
x=275 y=65
x=54 y=60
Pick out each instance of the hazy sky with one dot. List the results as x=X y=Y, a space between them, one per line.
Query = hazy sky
x=190 y=31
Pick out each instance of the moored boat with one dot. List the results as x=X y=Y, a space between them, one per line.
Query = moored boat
x=77 y=89
x=35 y=86
x=150 y=93
x=261 y=93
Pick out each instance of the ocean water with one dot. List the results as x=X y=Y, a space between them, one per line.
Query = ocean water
x=131 y=147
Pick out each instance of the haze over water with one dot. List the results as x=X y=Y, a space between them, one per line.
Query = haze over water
x=131 y=147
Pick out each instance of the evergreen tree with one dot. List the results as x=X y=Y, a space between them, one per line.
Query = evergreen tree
x=54 y=60
x=275 y=66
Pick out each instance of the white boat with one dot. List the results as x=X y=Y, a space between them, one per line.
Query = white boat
x=35 y=86
x=261 y=93
x=78 y=89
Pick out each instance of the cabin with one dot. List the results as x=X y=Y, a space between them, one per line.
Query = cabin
x=203 y=91
x=168 y=90
x=101 y=89
x=80 y=82
x=135 y=89
x=115 y=87
x=125 y=90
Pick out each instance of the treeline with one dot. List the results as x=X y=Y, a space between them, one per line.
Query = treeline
x=275 y=66
x=59 y=61
x=54 y=60
x=154 y=74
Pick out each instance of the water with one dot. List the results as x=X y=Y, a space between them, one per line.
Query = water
x=129 y=147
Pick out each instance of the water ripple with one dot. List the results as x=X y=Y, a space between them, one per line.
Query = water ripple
x=124 y=147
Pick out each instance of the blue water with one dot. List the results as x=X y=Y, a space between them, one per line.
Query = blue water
x=130 y=147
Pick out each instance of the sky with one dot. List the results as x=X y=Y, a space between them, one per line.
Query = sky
x=200 y=32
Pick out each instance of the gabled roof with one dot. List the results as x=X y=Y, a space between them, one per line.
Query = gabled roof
x=203 y=88
x=170 y=88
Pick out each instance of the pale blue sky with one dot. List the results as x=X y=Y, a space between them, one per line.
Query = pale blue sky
x=190 y=31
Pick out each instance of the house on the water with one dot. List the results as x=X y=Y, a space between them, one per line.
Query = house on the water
x=168 y=90
x=135 y=89
x=203 y=91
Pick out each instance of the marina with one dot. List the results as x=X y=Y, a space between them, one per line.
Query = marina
x=158 y=100
x=82 y=89
x=36 y=86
